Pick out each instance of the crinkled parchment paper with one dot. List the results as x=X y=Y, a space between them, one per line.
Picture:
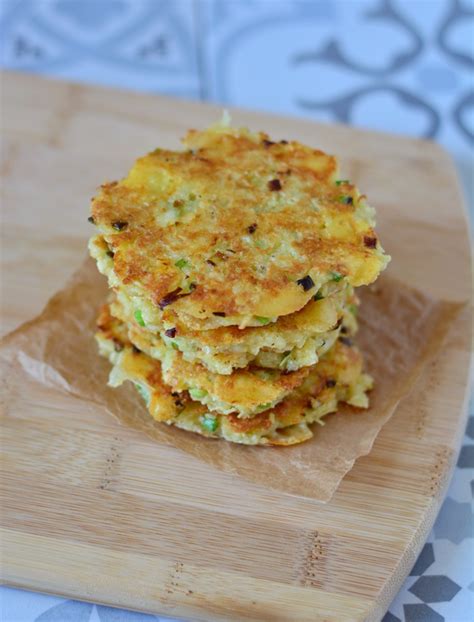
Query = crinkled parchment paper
x=400 y=329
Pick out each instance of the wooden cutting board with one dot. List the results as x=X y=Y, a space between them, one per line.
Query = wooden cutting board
x=95 y=511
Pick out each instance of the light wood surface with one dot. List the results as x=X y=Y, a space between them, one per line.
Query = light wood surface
x=95 y=511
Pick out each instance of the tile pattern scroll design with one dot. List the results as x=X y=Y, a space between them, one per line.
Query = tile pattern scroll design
x=419 y=81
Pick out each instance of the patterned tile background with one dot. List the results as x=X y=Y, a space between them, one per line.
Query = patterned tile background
x=399 y=65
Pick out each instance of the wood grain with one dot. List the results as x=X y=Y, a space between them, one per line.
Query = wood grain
x=95 y=511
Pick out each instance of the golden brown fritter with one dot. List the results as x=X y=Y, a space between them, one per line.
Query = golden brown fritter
x=338 y=377
x=294 y=341
x=235 y=229
x=245 y=391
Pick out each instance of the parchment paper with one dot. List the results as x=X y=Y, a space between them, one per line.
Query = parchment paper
x=400 y=330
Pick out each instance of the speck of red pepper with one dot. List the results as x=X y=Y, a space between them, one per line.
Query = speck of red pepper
x=110 y=254
x=274 y=185
x=346 y=200
x=306 y=283
x=210 y=262
x=267 y=143
x=175 y=295
x=330 y=383
x=170 y=298
x=370 y=242
x=119 y=225
x=252 y=228
x=218 y=313
x=170 y=332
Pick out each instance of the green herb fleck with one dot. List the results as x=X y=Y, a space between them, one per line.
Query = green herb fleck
x=262 y=407
x=318 y=296
x=346 y=199
x=209 y=422
x=262 y=320
x=197 y=393
x=143 y=392
x=181 y=263
x=336 y=276
x=285 y=359
x=339 y=182
x=139 y=317
x=189 y=287
x=174 y=345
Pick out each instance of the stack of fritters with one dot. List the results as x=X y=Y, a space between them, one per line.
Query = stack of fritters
x=233 y=265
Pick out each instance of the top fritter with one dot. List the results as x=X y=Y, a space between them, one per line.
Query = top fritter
x=236 y=229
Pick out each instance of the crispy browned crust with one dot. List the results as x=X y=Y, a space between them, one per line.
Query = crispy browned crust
x=244 y=387
x=339 y=368
x=260 y=422
x=319 y=315
x=246 y=239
